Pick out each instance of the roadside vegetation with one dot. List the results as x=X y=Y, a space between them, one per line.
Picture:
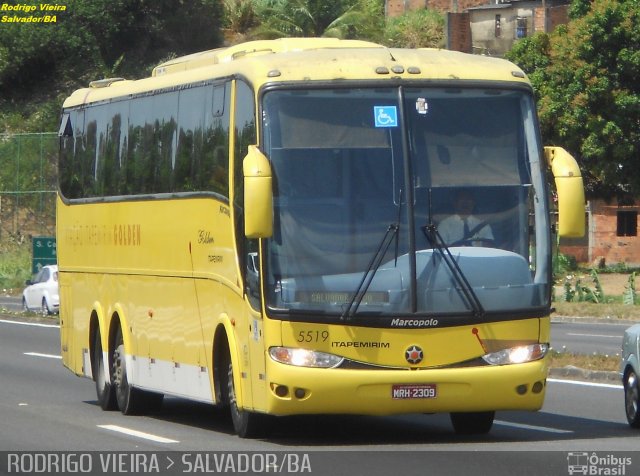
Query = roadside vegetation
x=596 y=362
x=605 y=293
x=610 y=311
x=15 y=266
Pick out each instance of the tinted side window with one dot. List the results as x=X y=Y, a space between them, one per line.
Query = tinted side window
x=151 y=144
x=162 y=142
x=214 y=167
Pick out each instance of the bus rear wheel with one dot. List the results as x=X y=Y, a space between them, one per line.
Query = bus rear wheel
x=246 y=424
x=104 y=390
x=472 y=423
x=131 y=401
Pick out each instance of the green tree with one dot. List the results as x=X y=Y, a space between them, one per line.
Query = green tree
x=240 y=18
x=361 y=19
x=416 y=29
x=589 y=94
x=42 y=63
x=311 y=18
x=579 y=8
x=532 y=54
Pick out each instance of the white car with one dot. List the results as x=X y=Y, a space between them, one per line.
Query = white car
x=630 y=372
x=41 y=293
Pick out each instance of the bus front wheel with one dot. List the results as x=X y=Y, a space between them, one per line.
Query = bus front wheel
x=472 y=423
x=246 y=424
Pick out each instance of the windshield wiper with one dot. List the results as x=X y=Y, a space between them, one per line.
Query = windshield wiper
x=368 y=275
x=395 y=259
x=434 y=237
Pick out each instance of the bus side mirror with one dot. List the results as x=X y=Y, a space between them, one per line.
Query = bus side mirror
x=571 y=223
x=258 y=194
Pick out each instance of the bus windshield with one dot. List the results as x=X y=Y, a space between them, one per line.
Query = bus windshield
x=424 y=200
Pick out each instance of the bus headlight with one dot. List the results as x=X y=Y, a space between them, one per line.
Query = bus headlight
x=517 y=355
x=304 y=357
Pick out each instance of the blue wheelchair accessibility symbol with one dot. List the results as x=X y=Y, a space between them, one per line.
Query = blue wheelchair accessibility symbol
x=385 y=116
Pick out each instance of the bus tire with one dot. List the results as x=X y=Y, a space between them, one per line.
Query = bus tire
x=472 y=423
x=104 y=389
x=246 y=424
x=131 y=400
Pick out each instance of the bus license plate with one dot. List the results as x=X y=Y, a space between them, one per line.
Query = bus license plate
x=427 y=390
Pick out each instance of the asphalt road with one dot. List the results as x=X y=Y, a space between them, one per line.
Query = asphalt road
x=11 y=303
x=587 y=337
x=43 y=407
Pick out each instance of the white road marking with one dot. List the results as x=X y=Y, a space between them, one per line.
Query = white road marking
x=47 y=356
x=531 y=427
x=586 y=384
x=556 y=430
x=138 y=434
x=594 y=335
x=32 y=324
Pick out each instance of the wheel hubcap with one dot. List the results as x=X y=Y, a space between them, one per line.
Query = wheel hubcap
x=117 y=366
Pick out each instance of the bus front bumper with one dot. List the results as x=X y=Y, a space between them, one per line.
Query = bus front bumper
x=295 y=390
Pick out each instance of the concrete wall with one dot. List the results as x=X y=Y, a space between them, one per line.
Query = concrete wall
x=487 y=39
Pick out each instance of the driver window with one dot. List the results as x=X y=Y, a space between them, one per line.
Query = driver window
x=465 y=226
x=252 y=273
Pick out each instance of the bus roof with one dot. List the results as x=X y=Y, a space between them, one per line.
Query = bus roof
x=307 y=59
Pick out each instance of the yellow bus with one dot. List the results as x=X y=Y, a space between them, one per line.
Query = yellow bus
x=262 y=227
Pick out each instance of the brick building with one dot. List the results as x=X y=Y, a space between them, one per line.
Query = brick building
x=611 y=236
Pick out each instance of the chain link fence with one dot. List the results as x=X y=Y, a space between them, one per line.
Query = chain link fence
x=28 y=183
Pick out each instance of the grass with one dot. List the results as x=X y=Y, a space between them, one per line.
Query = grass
x=15 y=266
x=610 y=310
x=613 y=285
x=587 y=362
